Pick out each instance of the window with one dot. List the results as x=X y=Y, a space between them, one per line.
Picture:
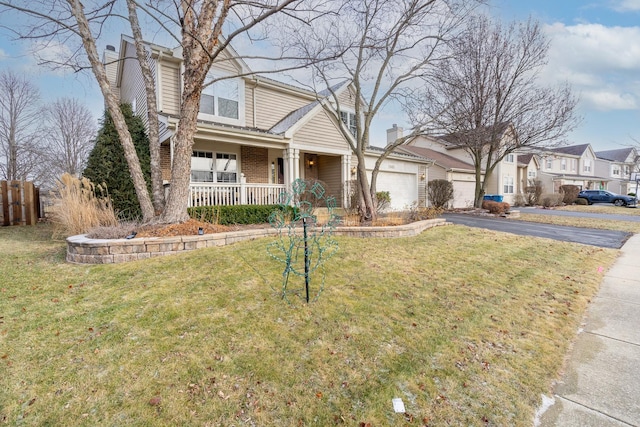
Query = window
x=615 y=170
x=563 y=164
x=226 y=167
x=549 y=163
x=573 y=165
x=222 y=98
x=349 y=119
x=508 y=185
x=203 y=168
x=508 y=158
x=587 y=165
x=531 y=174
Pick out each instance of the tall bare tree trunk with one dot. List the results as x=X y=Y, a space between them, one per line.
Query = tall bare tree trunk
x=152 y=108
x=114 y=109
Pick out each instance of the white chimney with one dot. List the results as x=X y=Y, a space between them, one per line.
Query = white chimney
x=394 y=133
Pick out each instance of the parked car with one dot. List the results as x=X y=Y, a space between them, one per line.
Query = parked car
x=603 y=196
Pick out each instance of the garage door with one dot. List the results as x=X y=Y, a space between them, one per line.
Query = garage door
x=463 y=194
x=403 y=188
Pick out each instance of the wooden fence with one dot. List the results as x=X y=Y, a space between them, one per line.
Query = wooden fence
x=19 y=203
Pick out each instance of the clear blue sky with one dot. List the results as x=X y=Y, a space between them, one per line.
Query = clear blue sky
x=595 y=46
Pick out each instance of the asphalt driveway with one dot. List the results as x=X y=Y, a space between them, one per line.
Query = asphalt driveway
x=587 y=236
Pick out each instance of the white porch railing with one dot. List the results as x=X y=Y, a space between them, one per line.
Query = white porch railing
x=211 y=194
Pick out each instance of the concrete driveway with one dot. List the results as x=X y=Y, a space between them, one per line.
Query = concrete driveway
x=587 y=236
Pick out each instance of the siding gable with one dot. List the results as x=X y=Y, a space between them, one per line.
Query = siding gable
x=321 y=132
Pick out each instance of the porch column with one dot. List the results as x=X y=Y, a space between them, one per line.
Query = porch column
x=346 y=180
x=291 y=166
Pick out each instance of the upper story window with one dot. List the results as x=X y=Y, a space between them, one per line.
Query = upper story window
x=548 y=163
x=615 y=170
x=573 y=163
x=587 y=165
x=563 y=164
x=349 y=119
x=205 y=169
x=531 y=174
x=222 y=100
x=509 y=158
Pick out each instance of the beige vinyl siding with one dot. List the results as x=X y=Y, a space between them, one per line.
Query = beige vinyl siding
x=321 y=131
x=133 y=90
x=347 y=98
x=273 y=106
x=169 y=101
x=226 y=63
x=330 y=172
x=249 y=90
x=437 y=172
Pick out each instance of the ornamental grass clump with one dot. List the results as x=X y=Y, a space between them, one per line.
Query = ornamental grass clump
x=79 y=205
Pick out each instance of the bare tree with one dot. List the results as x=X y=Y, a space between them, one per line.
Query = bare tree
x=197 y=25
x=388 y=45
x=20 y=116
x=489 y=88
x=69 y=135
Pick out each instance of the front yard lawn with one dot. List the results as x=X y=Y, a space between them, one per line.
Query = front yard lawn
x=467 y=326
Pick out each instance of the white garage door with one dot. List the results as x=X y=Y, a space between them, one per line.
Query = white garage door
x=402 y=187
x=463 y=194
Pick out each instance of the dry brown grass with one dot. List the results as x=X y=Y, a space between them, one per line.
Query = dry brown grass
x=467 y=326
x=76 y=209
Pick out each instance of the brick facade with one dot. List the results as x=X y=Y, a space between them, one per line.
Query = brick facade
x=255 y=164
x=165 y=162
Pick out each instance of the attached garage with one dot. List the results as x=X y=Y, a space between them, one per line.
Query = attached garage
x=463 y=194
x=402 y=187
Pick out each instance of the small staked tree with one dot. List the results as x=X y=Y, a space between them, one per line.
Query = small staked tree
x=20 y=117
x=487 y=98
x=387 y=46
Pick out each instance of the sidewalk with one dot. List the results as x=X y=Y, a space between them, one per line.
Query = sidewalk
x=601 y=383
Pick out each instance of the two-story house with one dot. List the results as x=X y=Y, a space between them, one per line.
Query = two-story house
x=454 y=163
x=255 y=135
x=617 y=166
x=571 y=165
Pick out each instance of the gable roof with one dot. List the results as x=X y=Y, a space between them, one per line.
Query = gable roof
x=572 y=150
x=398 y=151
x=441 y=159
x=525 y=159
x=306 y=111
x=620 y=155
x=455 y=139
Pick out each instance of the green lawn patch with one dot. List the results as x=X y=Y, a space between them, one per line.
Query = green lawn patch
x=467 y=326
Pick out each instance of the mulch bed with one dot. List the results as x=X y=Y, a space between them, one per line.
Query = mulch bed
x=190 y=228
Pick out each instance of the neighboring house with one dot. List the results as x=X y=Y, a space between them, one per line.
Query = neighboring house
x=572 y=165
x=459 y=173
x=617 y=166
x=255 y=136
x=528 y=166
x=455 y=164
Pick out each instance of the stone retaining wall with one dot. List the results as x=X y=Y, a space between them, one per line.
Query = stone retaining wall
x=83 y=250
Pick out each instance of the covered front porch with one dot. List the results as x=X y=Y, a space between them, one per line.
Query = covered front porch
x=229 y=175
